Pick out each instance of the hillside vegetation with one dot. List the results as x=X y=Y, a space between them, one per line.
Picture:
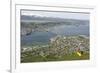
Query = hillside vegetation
x=60 y=48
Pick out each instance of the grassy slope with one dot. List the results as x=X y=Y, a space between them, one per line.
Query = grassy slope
x=74 y=56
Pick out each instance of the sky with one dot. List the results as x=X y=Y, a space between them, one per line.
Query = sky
x=65 y=15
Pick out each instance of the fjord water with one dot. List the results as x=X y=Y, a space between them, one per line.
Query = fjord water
x=44 y=37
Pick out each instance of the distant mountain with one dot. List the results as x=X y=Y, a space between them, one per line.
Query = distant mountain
x=39 y=18
x=26 y=17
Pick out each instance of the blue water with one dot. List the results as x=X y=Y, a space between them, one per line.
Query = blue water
x=37 y=37
x=71 y=30
x=44 y=37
